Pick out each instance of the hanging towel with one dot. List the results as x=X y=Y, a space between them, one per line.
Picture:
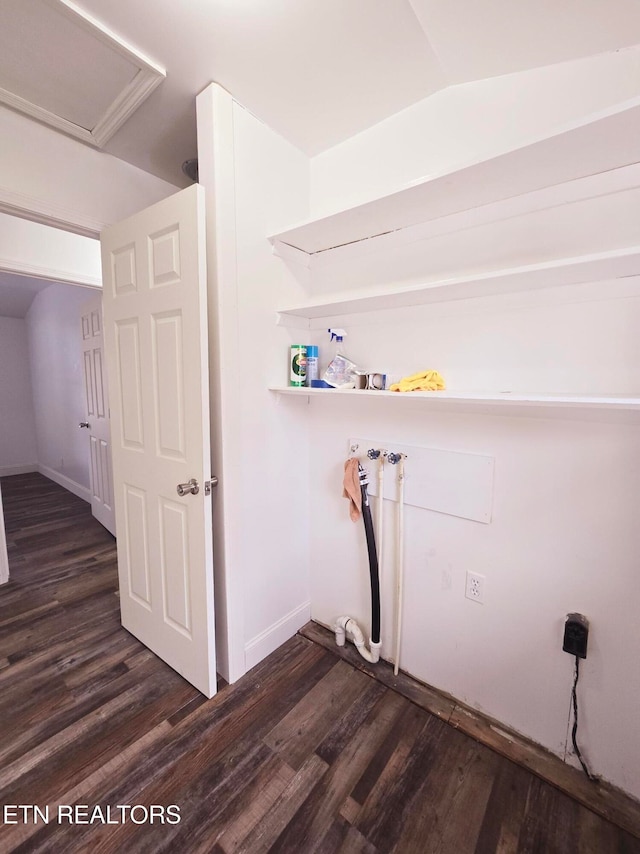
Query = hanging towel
x=351 y=488
x=425 y=381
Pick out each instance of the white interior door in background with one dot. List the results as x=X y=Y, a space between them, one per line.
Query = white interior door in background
x=155 y=322
x=97 y=413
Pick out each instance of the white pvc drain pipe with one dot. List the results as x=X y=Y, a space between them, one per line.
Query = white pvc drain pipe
x=399 y=565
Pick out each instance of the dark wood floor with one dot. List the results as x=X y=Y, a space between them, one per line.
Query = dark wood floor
x=304 y=754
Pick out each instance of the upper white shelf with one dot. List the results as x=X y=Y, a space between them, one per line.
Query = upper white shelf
x=615 y=264
x=601 y=142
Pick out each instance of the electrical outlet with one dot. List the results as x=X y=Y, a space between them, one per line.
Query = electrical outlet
x=474 y=589
x=576 y=635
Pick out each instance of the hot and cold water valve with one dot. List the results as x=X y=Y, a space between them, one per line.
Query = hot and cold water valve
x=576 y=635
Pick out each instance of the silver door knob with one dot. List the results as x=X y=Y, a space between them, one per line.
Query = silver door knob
x=84 y=424
x=190 y=487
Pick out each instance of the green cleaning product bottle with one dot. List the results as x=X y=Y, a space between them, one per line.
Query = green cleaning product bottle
x=298 y=365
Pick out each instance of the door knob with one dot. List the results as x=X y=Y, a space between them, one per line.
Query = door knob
x=84 y=424
x=189 y=487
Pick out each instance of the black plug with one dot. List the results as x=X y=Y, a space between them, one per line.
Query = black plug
x=576 y=635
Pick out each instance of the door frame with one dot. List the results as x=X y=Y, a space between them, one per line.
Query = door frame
x=4 y=557
x=21 y=267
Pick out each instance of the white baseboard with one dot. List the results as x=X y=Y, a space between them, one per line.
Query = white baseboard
x=66 y=482
x=266 y=642
x=27 y=468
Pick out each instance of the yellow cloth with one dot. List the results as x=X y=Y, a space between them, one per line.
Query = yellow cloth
x=425 y=381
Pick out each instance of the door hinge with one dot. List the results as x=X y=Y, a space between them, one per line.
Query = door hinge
x=209 y=484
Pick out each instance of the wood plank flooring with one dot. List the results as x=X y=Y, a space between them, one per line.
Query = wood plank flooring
x=304 y=754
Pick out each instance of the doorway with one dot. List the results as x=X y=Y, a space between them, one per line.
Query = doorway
x=41 y=393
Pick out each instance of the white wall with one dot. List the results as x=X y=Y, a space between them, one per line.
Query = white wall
x=55 y=354
x=467 y=123
x=18 y=450
x=256 y=182
x=39 y=250
x=52 y=177
x=563 y=536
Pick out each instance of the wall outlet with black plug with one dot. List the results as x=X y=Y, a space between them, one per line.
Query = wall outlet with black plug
x=576 y=635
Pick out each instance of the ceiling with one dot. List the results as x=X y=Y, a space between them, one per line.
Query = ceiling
x=316 y=71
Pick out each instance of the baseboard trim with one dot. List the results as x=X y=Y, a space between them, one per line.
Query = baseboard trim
x=270 y=639
x=26 y=468
x=601 y=797
x=65 y=482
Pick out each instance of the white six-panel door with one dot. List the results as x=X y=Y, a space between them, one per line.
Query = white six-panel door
x=97 y=413
x=155 y=322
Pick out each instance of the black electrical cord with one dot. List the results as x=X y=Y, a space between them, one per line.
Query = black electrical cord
x=574 y=731
x=373 y=558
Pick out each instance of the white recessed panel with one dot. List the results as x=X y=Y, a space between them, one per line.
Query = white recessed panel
x=96 y=481
x=175 y=564
x=137 y=545
x=53 y=61
x=85 y=326
x=105 y=473
x=100 y=395
x=123 y=266
x=169 y=385
x=451 y=482
x=88 y=384
x=128 y=360
x=164 y=258
x=65 y=68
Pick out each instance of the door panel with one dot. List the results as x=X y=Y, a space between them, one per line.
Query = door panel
x=156 y=345
x=97 y=413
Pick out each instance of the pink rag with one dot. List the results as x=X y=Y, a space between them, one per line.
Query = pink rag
x=351 y=488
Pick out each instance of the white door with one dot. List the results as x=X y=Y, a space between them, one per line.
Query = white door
x=96 y=422
x=4 y=558
x=155 y=323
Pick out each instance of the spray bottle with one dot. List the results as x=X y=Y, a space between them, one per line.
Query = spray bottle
x=337 y=338
x=341 y=371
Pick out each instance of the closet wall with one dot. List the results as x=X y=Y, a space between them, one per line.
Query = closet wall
x=18 y=451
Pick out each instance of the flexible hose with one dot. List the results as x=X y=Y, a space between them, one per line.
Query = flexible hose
x=346 y=624
x=373 y=567
x=373 y=558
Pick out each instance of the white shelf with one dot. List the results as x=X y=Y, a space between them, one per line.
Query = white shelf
x=601 y=142
x=577 y=163
x=503 y=400
x=615 y=264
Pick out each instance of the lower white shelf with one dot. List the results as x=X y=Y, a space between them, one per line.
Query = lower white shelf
x=502 y=399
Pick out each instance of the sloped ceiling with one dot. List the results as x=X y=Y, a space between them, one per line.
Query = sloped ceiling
x=475 y=40
x=318 y=71
x=18 y=292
